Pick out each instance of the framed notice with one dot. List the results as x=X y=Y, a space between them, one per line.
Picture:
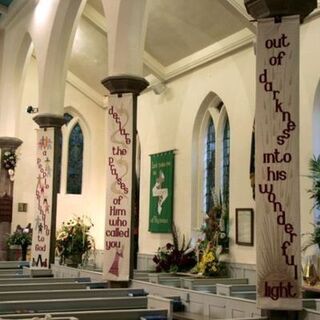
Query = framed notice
x=244 y=227
x=161 y=192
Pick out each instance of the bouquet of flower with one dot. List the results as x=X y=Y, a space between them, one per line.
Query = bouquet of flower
x=21 y=237
x=9 y=160
x=209 y=264
x=171 y=258
x=73 y=239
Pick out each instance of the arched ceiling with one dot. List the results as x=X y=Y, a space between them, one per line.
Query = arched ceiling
x=4 y=5
x=176 y=31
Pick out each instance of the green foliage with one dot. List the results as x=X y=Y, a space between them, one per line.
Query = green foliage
x=314 y=168
x=21 y=237
x=314 y=237
x=73 y=238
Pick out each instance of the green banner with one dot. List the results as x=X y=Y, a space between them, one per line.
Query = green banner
x=161 y=192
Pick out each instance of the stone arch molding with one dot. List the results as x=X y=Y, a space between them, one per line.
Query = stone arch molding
x=15 y=61
x=50 y=26
x=316 y=122
x=208 y=108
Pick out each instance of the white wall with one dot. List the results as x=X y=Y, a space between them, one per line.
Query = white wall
x=166 y=122
x=92 y=200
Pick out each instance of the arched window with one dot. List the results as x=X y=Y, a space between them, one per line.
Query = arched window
x=226 y=162
x=209 y=165
x=75 y=161
x=74 y=144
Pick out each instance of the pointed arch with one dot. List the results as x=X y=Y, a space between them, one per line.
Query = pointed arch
x=16 y=59
x=224 y=155
x=75 y=160
x=204 y=157
x=315 y=137
x=75 y=151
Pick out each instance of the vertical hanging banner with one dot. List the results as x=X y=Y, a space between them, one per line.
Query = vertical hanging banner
x=40 y=249
x=277 y=165
x=119 y=188
x=161 y=192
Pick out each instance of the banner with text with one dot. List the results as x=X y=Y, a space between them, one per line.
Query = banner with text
x=277 y=165
x=119 y=188
x=40 y=249
x=161 y=192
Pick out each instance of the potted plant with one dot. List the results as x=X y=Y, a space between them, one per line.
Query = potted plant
x=74 y=242
x=21 y=237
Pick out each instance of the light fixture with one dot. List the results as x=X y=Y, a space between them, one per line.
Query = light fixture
x=31 y=109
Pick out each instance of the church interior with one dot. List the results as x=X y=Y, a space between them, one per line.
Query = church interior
x=144 y=128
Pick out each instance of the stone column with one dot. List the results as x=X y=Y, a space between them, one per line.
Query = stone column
x=6 y=193
x=48 y=179
x=277 y=179
x=117 y=86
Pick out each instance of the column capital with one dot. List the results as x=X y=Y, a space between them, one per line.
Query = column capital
x=260 y=9
x=48 y=120
x=10 y=143
x=125 y=84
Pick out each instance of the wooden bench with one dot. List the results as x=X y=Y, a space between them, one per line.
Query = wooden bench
x=12 y=276
x=244 y=291
x=52 y=286
x=170 y=281
x=157 y=302
x=41 y=280
x=10 y=271
x=134 y=314
x=72 y=304
x=189 y=283
x=13 y=264
x=141 y=275
x=66 y=294
x=52 y=318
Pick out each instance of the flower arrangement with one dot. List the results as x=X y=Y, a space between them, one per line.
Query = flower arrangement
x=74 y=240
x=214 y=241
x=10 y=162
x=209 y=265
x=173 y=258
x=21 y=237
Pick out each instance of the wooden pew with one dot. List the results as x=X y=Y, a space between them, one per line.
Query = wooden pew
x=13 y=264
x=72 y=304
x=141 y=275
x=51 y=286
x=156 y=277
x=189 y=283
x=12 y=276
x=53 y=318
x=67 y=294
x=134 y=314
x=210 y=288
x=41 y=280
x=244 y=291
x=157 y=302
x=10 y=271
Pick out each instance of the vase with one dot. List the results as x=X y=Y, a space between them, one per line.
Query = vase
x=24 y=249
x=73 y=261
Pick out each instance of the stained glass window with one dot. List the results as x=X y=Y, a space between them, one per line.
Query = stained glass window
x=209 y=165
x=226 y=162
x=75 y=161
